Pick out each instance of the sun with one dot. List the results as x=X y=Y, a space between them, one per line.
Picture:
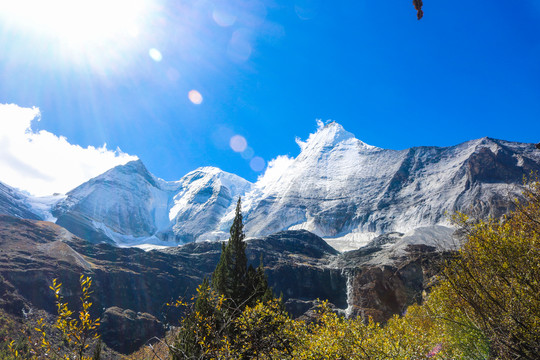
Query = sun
x=78 y=21
x=78 y=26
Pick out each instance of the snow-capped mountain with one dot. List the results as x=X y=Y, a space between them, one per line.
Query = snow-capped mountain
x=202 y=200
x=124 y=202
x=338 y=187
x=130 y=206
x=347 y=191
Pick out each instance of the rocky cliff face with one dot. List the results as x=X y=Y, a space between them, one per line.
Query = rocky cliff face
x=384 y=290
x=128 y=282
x=126 y=330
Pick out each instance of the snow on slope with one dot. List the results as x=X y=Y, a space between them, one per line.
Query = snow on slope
x=130 y=206
x=314 y=191
x=125 y=200
x=22 y=205
x=349 y=192
x=204 y=197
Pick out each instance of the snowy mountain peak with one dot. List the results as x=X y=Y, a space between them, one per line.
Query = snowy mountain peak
x=328 y=136
x=208 y=169
x=207 y=174
x=128 y=170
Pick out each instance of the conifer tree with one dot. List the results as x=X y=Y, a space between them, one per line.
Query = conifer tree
x=232 y=277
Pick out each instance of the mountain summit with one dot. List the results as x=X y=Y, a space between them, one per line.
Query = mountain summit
x=329 y=136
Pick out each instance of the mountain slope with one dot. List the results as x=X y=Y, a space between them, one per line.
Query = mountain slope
x=15 y=203
x=341 y=188
x=124 y=202
x=19 y=204
x=203 y=198
x=129 y=206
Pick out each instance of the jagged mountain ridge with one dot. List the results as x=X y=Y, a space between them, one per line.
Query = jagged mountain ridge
x=338 y=187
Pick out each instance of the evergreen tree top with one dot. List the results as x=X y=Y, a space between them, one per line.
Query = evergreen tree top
x=237 y=228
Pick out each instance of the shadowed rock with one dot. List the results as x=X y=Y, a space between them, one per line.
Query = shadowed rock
x=127 y=330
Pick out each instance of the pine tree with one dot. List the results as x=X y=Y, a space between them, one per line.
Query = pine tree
x=212 y=327
x=232 y=277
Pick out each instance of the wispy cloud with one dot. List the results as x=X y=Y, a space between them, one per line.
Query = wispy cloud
x=43 y=163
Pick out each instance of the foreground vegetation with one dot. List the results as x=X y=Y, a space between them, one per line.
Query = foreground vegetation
x=486 y=306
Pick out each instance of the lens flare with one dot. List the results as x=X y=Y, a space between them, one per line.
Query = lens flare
x=195 y=97
x=223 y=17
x=257 y=163
x=239 y=49
x=155 y=54
x=238 y=143
x=248 y=153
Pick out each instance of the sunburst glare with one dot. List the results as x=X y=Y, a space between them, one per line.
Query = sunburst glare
x=77 y=22
x=94 y=33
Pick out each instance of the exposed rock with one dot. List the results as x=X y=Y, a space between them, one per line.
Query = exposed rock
x=32 y=253
x=303 y=307
x=382 y=291
x=10 y=299
x=127 y=330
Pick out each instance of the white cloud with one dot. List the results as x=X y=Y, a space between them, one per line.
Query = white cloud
x=276 y=169
x=303 y=144
x=43 y=163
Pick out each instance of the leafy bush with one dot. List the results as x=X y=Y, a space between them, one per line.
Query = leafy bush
x=76 y=334
x=495 y=280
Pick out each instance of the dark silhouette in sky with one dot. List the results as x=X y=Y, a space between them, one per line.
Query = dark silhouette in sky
x=418 y=6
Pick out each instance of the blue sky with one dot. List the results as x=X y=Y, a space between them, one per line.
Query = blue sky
x=266 y=70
